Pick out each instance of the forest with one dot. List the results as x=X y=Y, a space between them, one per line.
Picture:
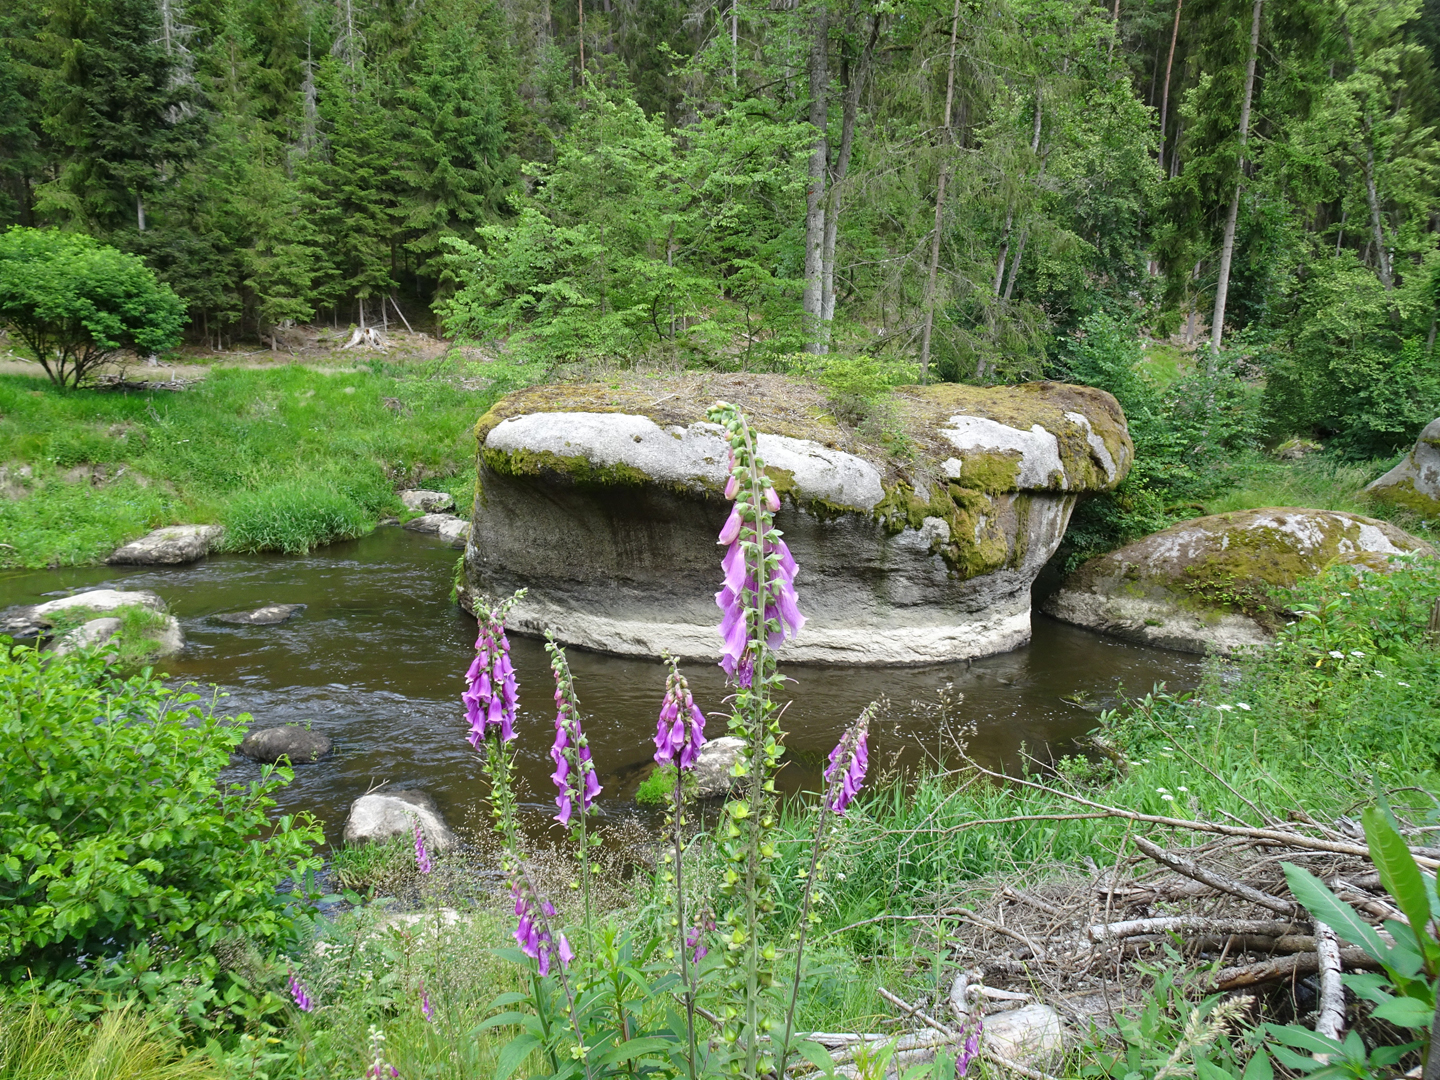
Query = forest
x=960 y=191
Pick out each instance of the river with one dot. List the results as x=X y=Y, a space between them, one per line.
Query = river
x=376 y=662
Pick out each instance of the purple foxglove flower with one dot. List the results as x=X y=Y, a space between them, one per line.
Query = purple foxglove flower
x=425 y=1008
x=491 y=698
x=574 y=776
x=730 y=531
x=848 y=762
x=681 y=729
x=772 y=498
x=565 y=953
x=732 y=486
x=971 y=1050
x=300 y=993
x=422 y=857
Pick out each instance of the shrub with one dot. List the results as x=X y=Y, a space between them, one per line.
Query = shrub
x=126 y=865
x=75 y=302
x=293 y=517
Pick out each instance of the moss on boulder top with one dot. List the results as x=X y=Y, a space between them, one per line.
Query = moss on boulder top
x=1206 y=585
x=1038 y=436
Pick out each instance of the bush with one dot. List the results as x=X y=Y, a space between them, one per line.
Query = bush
x=294 y=517
x=75 y=302
x=126 y=866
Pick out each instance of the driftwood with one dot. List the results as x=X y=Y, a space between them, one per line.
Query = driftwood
x=1216 y=881
x=1285 y=969
x=1190 y=924
x=1332 y=991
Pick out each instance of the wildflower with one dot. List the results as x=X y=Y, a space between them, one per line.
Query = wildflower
x=1242 y=705
x=1167 y=798
x=301 y=994
x=379 y=1069
x=1182 y=789
x=532 y=930
x=425 y=1008
x=695 y=939
x=1161 y=790
x=574 y=774
x=1404 y=684
x=681 y=729
x=1357 y=652
x=422 y=857
x=1337 y=654
x=1225 y=708
x=491 y=697
x=848 y=762
x=753 y=544
x=971 y=1050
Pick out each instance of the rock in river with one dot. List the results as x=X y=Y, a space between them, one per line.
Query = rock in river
x=713 y=764
x=88 y=635
x=37 y=621
x=299 y=745
x=448 y=527
x=269 y=615
x=427 y=502
x=1415 y=482
x=382 y=815
x=605 y=501
x=1204 y=585
x=170 y=546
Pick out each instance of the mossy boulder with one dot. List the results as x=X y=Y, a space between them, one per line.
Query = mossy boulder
x=1415 y=482
x=604 y=501
x=1207 y=585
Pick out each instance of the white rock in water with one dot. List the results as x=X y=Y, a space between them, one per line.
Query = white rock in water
x=380 y=816
x=713 y=764
x=170 y=546
x=100 y=600
x=88 y=635
x=1199 y=586
x=428 y=502
x=453 y=530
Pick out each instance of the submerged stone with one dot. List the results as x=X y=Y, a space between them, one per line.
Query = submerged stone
x=299 y=745
x=605 y=501
x=170 y=546
x=1415 y=482
x=1205 y=585
x=269 y=615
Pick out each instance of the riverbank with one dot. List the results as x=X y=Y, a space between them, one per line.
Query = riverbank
x=314 y=453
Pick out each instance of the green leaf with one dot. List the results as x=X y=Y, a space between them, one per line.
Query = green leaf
x=1304 y=1039
x=816 y=1055
x=513 y=1053
x=1205 y=1069
x=632 y=1049
x=1258 y=1067
x=1339 y=916
x=1406 y=1012
x=1399 y=873
x=1304 y=1063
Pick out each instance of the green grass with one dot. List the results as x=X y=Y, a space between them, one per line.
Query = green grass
x=133 y=644
x=120 y=1046
x=384 y=867
x=286 y=457
x=1164 y=363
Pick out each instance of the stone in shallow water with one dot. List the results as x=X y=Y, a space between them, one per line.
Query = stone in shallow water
x=300 y=745
x=428 y=502
x=88 y=635
x=1199 y=586
x=604 y=501
x=27 y=622
x=447 y=527
x=170 y=546
x=269 y=615
x=713 y=765
x=381 y=816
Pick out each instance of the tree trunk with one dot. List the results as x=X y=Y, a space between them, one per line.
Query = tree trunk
x=1165 y=93
x=1010 y=207
x=580 y=6
x=852 y=78
x=1227 y=246
x=815 y=192
x=140 y=212
x=939 y=204
x=1372 y=198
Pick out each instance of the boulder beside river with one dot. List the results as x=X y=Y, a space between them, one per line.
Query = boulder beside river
x=384 y=815
x=1203 y=586
x=1415 y=482
x=103 y=606
x=915 y=546
x=170 y=546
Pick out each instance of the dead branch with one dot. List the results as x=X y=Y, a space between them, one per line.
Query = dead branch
x=1190 y=924
x=1217 y=881
x=1332 y=991
x=1287 y=967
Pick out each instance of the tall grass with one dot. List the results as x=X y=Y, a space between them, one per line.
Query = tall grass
x=287 y=457
x=119 y=1046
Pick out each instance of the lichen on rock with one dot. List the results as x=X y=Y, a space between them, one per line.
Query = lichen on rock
x=1208 y=585
x=604 y=500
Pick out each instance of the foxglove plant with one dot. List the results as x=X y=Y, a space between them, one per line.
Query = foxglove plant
x=300 y=993
x=842 y=779
x=759 y=612
x=679 y=735
x=422 y=857
x=574 y=776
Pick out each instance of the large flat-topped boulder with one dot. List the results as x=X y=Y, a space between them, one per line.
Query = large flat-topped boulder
x=604 y=500
x=1205 y=585
x=1415 y=481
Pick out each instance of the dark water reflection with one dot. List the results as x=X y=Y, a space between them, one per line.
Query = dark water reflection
x=375 y=661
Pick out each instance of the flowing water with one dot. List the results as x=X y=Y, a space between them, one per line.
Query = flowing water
x=375 y=661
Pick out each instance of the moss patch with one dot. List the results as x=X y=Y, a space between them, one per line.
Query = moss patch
x=1404 y=493
x=133 y=645
x=577 y=468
